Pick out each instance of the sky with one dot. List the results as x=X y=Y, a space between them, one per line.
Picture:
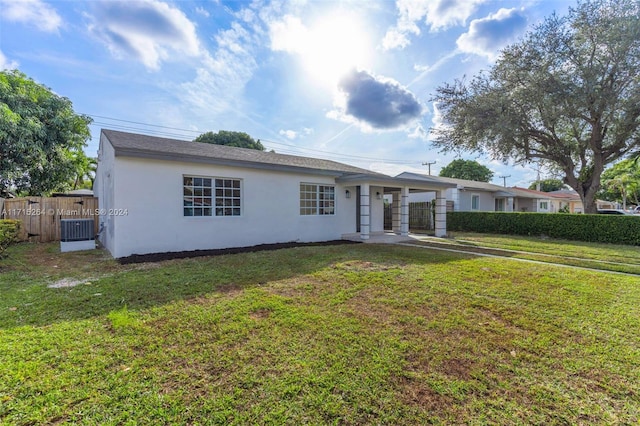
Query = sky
x=350 y=81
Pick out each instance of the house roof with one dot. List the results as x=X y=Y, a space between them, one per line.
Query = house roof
x=389 y=183
x=531 y=193
x=500 y=191
x=568 y=194
x=145 y=146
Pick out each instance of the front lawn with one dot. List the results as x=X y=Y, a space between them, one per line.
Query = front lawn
x=355 y=334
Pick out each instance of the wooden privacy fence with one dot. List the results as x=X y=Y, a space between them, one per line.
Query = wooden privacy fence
x=40 y=216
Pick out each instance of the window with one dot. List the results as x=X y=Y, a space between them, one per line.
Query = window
x=499 y=204
x=211 y=197
x=317 y=199
x=475 y=202
x=544 y=205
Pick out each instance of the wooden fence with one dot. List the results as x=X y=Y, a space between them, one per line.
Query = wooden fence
x=40 y=216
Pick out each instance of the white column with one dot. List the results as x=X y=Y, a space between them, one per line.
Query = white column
x=441 y=214
x=404 y=211
x=395 y=212
x=365 y=211
x=509 y=206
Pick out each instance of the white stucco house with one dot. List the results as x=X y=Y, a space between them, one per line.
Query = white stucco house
x=469 y=195
x=165 y=195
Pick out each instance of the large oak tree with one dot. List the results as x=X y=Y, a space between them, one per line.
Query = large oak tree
x=41 y=137
x=467 y=169
x=567 y=94
x=229 y=138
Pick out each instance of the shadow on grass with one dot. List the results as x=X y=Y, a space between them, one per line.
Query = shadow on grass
x=103 y=285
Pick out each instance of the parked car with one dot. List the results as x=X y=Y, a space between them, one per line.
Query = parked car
x=636 y=210
x=613 y=211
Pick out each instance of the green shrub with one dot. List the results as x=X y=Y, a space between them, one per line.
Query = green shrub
x=597 y=228
x=9 y=230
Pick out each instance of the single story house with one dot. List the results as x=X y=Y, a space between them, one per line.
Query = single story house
x=530 y=200
x=165 y=195
x=466 y=195
x=469 y=195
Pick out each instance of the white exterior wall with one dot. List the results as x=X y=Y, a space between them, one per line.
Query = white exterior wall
x=487 y=201
x=528 y=205
x=104 y=189
x=377 y=209
x=151 y=191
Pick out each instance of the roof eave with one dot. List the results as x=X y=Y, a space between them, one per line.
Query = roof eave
x=136 y=153
x=381 y=180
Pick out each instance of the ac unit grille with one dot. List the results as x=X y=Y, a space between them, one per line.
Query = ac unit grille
x=76 y=230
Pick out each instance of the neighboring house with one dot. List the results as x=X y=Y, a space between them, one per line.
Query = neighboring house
x=466 y=195
x=572 y=199
x=529 y=200
x=165 y=195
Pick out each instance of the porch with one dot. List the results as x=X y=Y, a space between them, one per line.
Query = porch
x=369 y=193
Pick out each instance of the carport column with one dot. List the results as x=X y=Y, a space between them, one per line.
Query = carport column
x=365 y=211
x=395 y=213
x=509 y=207
x=404 y=211
x=441 y=214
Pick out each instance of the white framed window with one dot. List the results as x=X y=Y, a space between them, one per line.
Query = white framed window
x=208 y=196
x=475 y=202
x=317 y=199
x=544 y=206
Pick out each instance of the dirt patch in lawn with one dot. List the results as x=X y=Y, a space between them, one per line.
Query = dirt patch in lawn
x=157 y=257
x=68 y=282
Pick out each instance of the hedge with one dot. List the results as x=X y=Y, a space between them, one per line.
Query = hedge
x=598 y=228
x=9 y=230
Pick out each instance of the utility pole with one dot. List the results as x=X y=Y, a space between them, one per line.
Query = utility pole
x=504 y=180
x=429 y=165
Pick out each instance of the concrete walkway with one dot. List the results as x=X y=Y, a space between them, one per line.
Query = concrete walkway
x=434 y=243
x=380 y=238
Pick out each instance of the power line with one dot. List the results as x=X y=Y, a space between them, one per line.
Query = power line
x=504 y=179
x=428 y=164
x=296 y=149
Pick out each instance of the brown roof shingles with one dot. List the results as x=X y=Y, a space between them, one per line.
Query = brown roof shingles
x=132 y=144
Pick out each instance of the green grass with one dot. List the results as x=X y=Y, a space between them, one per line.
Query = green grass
x=357 y=334
x=606 y=257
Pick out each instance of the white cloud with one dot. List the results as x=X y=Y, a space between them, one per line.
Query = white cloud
x=488 y=35
x=288 y=35
x=149 y=30
x=6 y=64
x=289 y=134
x=32 y=12
x=437 y=121
x=223 y=73
x=436 y=14
x=292 y=134
x=202 y=11
x=419 y=133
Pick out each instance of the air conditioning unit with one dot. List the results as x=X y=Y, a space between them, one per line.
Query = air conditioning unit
x=77 y=234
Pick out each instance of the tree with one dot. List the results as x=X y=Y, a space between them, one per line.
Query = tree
x=548 y=185
x=567 y=94
x=467 y=169
x=236 y=139
x=85 y=171
x=40 y=135
x=621 y=183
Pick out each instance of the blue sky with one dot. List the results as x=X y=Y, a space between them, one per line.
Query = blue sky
x=349 y=81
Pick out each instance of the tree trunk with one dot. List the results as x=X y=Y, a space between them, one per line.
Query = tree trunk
x=588 y=197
